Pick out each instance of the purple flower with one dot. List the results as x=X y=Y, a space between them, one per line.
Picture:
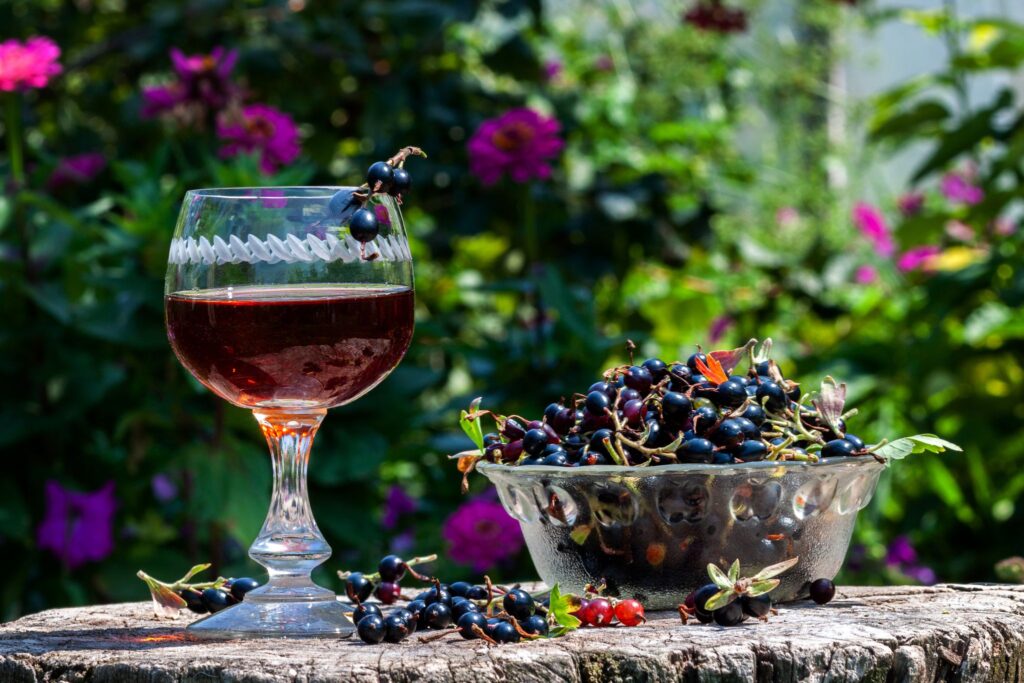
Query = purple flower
x=520 y=142
x=159 y=99
x=28 y=65
x=910 y=203
x=398 y=503
x=604 y=63
x=921 y=574
x=957 y=188
x=900 y=552
x=719 y=326
x=164 y=488
x=481 y=534
x=552 y=69
x=403 y=543
x=204 y=81
x=916 y=258
x=78 y=527
x=871 y=224
x=866 y=275
x=264 y=129
x=77 y=170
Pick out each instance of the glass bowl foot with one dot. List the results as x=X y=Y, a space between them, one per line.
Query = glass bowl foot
x=265 y=617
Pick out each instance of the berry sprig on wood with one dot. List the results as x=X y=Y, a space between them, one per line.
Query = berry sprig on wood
x=349 y=206
x=704 y=410
x=200 y=597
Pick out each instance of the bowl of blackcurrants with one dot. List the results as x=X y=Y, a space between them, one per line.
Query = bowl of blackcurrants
x=659 y=469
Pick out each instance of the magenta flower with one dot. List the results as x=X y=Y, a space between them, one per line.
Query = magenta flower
x=159 y=99
x=203 y=81
x=921 y=574
x=28 y=65
x=381 y=211
x=910 y=204
x=164 y=488
x=719 y=326
x=262 y=129
x=957 y=188
x=900 y=551
x=76 y=170
x=871 y=224
x=481 y=534
x=865 y=275
x=520 y=142
x=917 y=258
x=398 y=503
x=78 y=527
x=604 y=63
x=552 y=69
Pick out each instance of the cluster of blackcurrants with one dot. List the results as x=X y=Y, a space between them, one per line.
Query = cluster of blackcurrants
x=206 y=600
x=743 y=607
x=600 y=611
x=658 y=414
x=350 y=205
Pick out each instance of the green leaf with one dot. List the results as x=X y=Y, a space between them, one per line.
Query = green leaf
x=762 y=587
x=192 y=572
x=734 y=571
x=560 y=606
x=912 y=121
x=774 y=569
x=919 y=443
x=471 y=425
x=720 y=599
x=719 y=577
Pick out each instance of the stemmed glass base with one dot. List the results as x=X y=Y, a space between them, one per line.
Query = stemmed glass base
x=290 y=546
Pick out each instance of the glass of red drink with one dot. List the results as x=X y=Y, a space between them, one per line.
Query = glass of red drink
x=274 y=306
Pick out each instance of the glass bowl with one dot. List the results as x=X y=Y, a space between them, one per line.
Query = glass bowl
x=650 y=532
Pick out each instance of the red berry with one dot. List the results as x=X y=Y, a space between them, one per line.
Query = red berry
x=630 y=613
x=583 y=613
x=601 y=612
x=387 y=592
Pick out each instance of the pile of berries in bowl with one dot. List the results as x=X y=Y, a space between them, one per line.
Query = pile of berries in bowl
x=659 y=469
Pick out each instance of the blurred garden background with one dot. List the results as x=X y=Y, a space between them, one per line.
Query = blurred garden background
x=669 y=171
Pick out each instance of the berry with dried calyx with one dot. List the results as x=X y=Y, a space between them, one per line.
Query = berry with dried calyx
x=822 y=591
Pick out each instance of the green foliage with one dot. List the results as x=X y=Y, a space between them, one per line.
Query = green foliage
x=694 y=187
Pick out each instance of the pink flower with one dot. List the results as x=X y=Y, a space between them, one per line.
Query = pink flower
x=604 y=63
x=1004 y=227
x=552 y=69
x=719 y=326
x=787 y=217
x=910 y=203
x=28 y=65
x=957 y=188
x=78 y=527
x=866 y=275
x=159 y=99
x=262 y=129
x=519 y=142
x=398 y=503
x=204 y=82
x=481 y=534
x=916 y=258
x=77 y=170
x=959 y=230
x=164 y=488
x=871 y=224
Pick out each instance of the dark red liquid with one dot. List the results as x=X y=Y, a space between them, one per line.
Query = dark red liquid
x=291 y=346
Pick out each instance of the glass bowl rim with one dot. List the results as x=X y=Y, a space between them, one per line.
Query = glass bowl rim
x=597 y=471
x=256 y=191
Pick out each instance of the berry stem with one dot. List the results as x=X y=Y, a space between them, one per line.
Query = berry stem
x=408 y=563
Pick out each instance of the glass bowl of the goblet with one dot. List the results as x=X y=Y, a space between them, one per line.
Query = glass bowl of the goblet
x=650 y=532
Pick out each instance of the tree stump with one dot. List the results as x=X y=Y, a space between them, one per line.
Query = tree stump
x=941 y=633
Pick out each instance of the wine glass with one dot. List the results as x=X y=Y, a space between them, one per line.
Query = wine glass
x=273 y=305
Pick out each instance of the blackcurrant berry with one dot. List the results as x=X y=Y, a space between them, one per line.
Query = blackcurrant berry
x=598 y=438
x=405 y=615
x=657 y=368
x=342 y=205
x=742 y=379
x=518 y=603
x=564 y=420
x=751 y=450
x=838 y=448
x=415 y=608
x=731 y=393
x=505 y=633
x=691 y=362
x=763 y=368
x=467 y=621
x=193 y=600
x=358 y=587
x=477 y=593
x=391 y=568
x=239 y=587
x=371 y=629
x=704 y=420
x=401 y=181
x=551 y=411
x=388 y=592
x=363 y=225
x=857 y=442
x=729 y=432
x=756 y=607
x=513 y=429
x=626 y=394
x=697 y=378
x=435 y=595
x=639 y=378
x=604 y=387
x=700 y=599
x=754 y=413
x=396 y=629
x=436 y=616
x=774 y=393
x=596 y=402
x=594 y=457
x=633 y=411
x=216 y=599
x=535 y=441
x=536 y=625
x=380 y=176
x=749 y=429
x=491 y=439
x=722 y=458
x=730 y=615
x=559 y=459
x=822 y=591
x=696 y=451
x=675 y=408
x=680 y=375
x=365 y=609
x=794 y=393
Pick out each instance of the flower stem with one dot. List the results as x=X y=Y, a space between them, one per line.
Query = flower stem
x=14 y=139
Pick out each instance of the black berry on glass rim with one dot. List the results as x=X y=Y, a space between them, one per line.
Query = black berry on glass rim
x=401 y=182
x=380 y=176
x=364 y=225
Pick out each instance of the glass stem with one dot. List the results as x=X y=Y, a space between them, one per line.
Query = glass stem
x=290 y=545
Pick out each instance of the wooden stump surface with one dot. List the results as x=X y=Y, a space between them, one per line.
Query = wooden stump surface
x=942 y=633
